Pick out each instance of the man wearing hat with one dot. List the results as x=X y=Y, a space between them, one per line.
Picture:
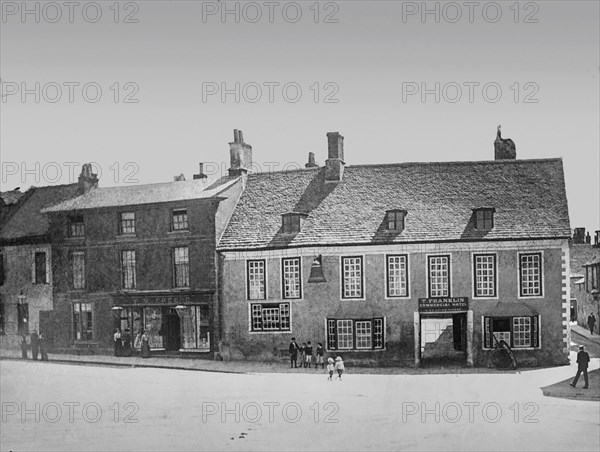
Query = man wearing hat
x=582 y=365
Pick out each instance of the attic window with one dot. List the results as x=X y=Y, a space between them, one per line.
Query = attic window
x=394 y=220
x=291 y=222
x=484 y=217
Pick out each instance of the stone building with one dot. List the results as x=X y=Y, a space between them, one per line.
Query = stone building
x=26 y=282
x=140 y=257
x=364 y=258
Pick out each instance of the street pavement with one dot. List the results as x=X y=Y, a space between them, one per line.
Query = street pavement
x=50 y=406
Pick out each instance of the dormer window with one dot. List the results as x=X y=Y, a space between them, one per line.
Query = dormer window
x=291 y=222
x=484 y=218
x=394 y=220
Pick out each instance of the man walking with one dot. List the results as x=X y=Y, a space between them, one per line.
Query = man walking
x=293 y=353
x=591 y=322
x=582 y=365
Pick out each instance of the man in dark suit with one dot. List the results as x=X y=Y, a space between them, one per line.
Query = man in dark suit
x=35 y=343
x=582 y=365
x=293 y=353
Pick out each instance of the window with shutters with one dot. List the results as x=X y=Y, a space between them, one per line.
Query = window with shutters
x=355 y=334
x=270 y=317
x=517 y=332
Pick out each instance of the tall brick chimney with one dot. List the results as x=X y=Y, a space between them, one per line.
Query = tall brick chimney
x=87 y=180
x=334 y=165
x=504 y=149
x=240 y=154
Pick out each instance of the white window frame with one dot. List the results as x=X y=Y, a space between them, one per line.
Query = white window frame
x=256 y=307
x=284 y=294
x=428 y=275
x=248 y=285
x=519 y=276
x=362 y=279
x=474 y=256
x=387 y=296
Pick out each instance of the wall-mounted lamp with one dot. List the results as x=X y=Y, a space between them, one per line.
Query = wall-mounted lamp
x=316 y=271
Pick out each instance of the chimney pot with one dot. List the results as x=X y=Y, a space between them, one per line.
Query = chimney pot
x=504 y=149
x=200 y=174
x=87 y=180
x=240 y=155
x=311 y=161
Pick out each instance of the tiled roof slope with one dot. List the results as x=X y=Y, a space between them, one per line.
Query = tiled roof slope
x=528 y=195
x=129 y=195
x=28 y=220
x=580 y=254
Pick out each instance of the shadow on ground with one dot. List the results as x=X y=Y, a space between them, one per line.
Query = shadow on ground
x=563 y=389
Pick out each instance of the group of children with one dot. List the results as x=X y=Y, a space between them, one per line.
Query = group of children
x=306 y=351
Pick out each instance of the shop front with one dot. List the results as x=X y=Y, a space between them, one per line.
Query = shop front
x=173 y=322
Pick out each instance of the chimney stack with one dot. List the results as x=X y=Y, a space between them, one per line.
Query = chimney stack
x=179 y=178
x=200 y=174
x=334 y=165
x=87 y=180
x=597 y=239
x=311 y=161
x=579 y=236
x=588 y=239
x=504 y=149
x=240 y=155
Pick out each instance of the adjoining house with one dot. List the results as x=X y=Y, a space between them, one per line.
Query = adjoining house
x=140 y=257
x=26 y=283
x=365 y=258
x=585 y=258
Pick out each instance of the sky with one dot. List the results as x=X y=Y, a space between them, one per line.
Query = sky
x=148 y=89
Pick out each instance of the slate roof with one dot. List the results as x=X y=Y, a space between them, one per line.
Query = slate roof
x=528 y=196
x=580 y=255
x=11 y=197
x=28 y=221
x=129 y=195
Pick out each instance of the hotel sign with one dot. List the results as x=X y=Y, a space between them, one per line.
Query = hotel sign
x=447 y=304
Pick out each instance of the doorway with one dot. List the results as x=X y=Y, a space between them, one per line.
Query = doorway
x=443 y=339
x=171 y=329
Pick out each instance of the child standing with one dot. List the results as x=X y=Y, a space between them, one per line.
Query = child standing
x=339 y=366
x=330 y=368
x=302 y=354
x=308 y=355
x=319 y=357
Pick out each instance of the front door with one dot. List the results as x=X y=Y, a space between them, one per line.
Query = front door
x=171 y=329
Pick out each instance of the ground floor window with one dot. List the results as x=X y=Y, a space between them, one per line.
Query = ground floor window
x=270 y=317
x=139 y=318
x=195 y=333
x=82 y=322
x=518 y=332
x=355 y=334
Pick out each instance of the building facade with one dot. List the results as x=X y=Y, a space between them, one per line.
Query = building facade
x=26 y=282
x=140 y=257
x=371 y=259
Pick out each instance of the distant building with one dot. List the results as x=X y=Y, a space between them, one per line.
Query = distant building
x=363 y=257
x=582 y=256
x=140 y=257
